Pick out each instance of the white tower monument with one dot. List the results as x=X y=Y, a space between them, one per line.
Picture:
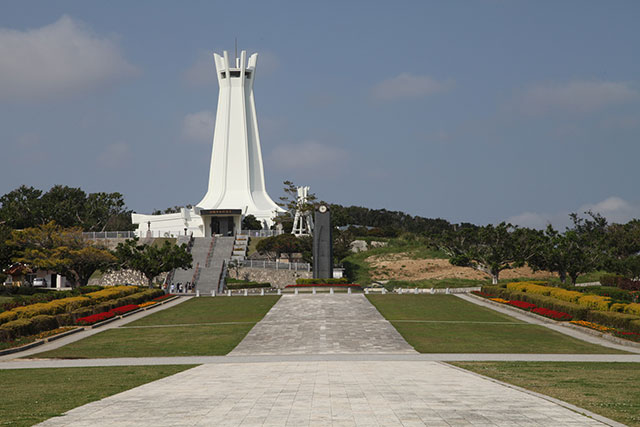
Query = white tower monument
x=236 y=176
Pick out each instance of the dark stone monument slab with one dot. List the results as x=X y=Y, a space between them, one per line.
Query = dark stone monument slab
x=322 y=244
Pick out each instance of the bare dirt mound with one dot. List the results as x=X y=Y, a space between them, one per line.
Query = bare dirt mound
x=402 y=266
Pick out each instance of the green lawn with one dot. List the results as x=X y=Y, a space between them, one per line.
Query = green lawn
x=34 y=395
x=608 y=389
x=192 y=340
x=199 y=327
x=212 y=310
x=447 y=324
x=436 y=283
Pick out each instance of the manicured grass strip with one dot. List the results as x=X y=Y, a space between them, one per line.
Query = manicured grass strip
x=436 y=283
x=492 y=338
x=34 y=395
x=192 y=340
x=608 y=389
x=417 y=318
x=212 y=310
x=434 y=307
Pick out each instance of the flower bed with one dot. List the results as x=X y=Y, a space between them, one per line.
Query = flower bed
x=324 y=285
x=124 y=309
x=163 y=297
x=500 y=300
x=483 y=294
x=555 y=315
x=632 y=336
x=147 y=304
x=95 y=318
x=522 y=304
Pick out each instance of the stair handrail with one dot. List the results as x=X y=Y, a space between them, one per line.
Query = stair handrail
x=223 y=275
x=207 y=263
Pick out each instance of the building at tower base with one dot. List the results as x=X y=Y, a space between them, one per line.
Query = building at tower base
x=236 y=176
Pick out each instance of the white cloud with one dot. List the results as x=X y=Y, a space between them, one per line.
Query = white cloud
x=60 y=58
x=579 y=96
x=115 y=156
x=407 y=85
x=308 y=157
x=198 y=126
x=615 y=209
x=202 y=72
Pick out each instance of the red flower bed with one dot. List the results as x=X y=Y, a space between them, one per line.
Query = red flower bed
x=324 y=285
x=124 y=309
x=522 y=304
x=482 y=294
x=95 y=318
x=634 y=336
x=163 y=297
x=556 y=315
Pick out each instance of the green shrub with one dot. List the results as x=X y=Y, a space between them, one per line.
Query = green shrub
x=610 y=279
x=614 y=293
x=22 y=327
x=612 y=319
x=634 y=326
x=247 y=285
x=322 y=281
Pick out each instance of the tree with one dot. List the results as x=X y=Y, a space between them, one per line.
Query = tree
x=490 y=249
x=552 y=253
x=62 y=250
x=250 y=222
x=21 y=208
x=283 y=244
x=152 y=260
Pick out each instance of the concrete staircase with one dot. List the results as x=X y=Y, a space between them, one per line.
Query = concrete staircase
x=208 y=257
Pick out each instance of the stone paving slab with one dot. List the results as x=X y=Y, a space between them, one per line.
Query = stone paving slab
x=322 y=324
x=324 y=393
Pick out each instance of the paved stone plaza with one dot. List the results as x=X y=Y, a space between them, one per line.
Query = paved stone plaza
x=325 y=360
x=320 y=394
x=322 y=324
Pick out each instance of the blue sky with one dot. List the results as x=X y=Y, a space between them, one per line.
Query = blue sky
x=477 y=111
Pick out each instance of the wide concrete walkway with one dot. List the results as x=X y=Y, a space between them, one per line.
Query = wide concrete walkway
x=326 y=360
x=321 y=394
x=322 y=324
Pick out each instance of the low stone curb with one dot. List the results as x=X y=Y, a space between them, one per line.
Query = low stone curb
x=589 y=331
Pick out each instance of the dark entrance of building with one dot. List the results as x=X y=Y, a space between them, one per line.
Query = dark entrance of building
x=222 y=225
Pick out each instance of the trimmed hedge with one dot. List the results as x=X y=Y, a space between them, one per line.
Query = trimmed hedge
x=620 y=282
x=21 y=327
x=579 y=312
x=614 y=293
x=322 y=281
x=247 y=285
x=40 y=323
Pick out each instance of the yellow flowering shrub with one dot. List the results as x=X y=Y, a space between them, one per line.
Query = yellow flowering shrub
x=57 y=306
x=8 y=316
x=535 y=288
x=618 y=307
x=112 y=292
x=596 y=302
x=633 y=308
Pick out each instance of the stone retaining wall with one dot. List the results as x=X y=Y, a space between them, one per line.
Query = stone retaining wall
x=123 y=276
x=277 y=278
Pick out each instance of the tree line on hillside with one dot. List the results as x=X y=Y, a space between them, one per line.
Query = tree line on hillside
x=65 y=251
